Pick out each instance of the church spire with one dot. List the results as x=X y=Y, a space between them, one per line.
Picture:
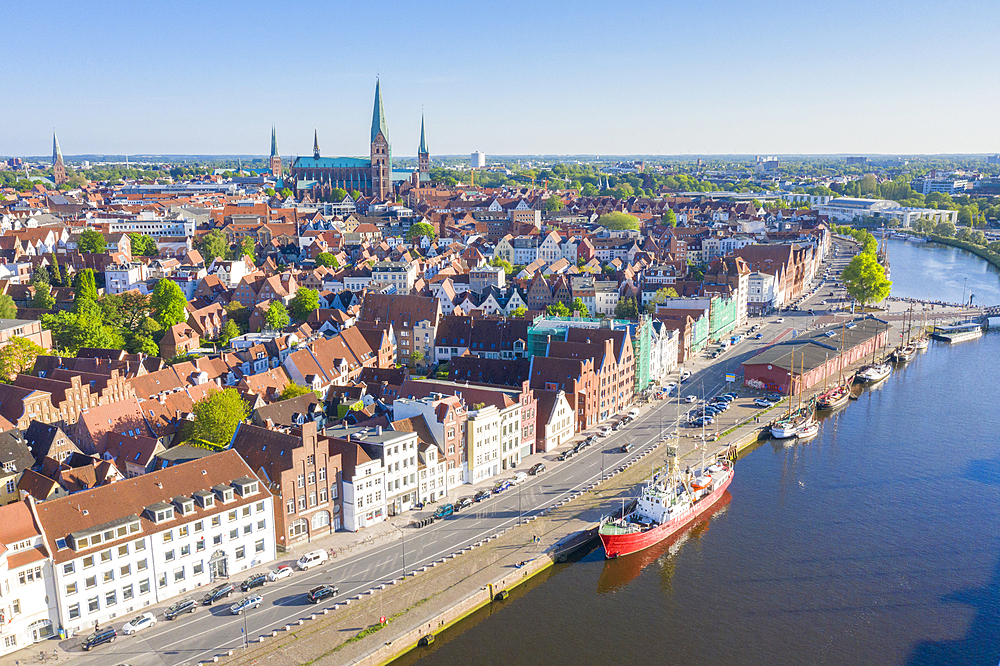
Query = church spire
x=423 y=138
x=274 y=143
x=56 y=151
x=378 y=115
x=315 y=144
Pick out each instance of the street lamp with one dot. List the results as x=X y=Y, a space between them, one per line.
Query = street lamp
x=246 y=611
x=402 y=545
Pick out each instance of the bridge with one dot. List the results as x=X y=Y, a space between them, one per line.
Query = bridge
x=990 y=312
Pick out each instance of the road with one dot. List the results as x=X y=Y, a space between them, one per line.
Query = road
x=210 y=630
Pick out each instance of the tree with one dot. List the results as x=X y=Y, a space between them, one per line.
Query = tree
x=497 y=262
x=554 y=203
x=864 y=279
x=670 y=218
x=143 y=245
x=661 y=295
x=81 y=328
x=416 y=356
x=277 y=316
x=519 y=312
x=40 y=278
x=43 y=300
x=327 y=259
x=17 y=356
x=945 y=228
x=212 y=245
x=304 y=302
x=420 y=229
x=558 y=309
x=338 y=194
x=579 y=306
x=135 y=308
x=247 y=248
x=294 y=390
x=217 y=415
x=140 y=344
x=619 y=221
x=84 y=286
x=92 y=242
x=54 y=269
x=626 y=308
x=168 y=303
x=229 y=331
x=238 y=313
x=9 y=311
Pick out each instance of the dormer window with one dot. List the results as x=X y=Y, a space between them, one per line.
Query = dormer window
x=246 y=486
x=160 y=512
x=224 y=493
x=185 y=505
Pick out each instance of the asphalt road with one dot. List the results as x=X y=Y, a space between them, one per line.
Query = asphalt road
x=210 y=630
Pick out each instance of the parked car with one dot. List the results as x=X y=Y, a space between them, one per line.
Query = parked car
x=691 y=399
x=633 y=413
x=444 y=511
x=618 y=425
x=537 y=468
x=216 y=593
x=685 y=375
x=464 y=503
x=604 y=432
x=481 y=495
x=781 y=320
x=321 y=592
x=312 y=559
x=180 y=608
x=501 y=486
x=520 y=477
x=279 y=573
x=253 y=601
x=100 y=638
x=761 y=402
x=774 y=397
x=565 y=455
x=626 y=447
x=256 y=580
x=141 y=622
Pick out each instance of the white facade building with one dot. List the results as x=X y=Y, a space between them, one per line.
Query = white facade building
x=398 y=453
x=364 y=492
x=482 y=444
x=478 y=159
x=119 y=278
x=27 y=588
x=151 y=225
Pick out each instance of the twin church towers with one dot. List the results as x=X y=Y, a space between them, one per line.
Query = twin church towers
x=372 y=176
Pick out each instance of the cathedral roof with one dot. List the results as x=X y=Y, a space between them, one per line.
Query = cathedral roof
x=378 y=115
x=423 y=139
x=331 y=162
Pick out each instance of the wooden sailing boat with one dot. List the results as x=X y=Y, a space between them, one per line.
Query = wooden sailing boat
x=876 y=372
x=793 y=422
x=841 y=393
x=906 y=349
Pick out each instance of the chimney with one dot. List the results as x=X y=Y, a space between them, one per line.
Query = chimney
x=269 y=424
x=378 y=430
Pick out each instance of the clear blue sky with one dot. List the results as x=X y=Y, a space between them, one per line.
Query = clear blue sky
x=513 y=77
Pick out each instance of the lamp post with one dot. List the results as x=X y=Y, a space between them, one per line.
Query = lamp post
x=246 y=611
x=402 y=547
x=965 y=283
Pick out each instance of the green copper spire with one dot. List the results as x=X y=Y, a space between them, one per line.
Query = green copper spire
x=423 y=139
x=274 y=143
x=56 y=151
x=378 y=115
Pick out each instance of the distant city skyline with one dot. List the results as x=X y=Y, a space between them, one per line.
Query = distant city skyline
x=711 y=78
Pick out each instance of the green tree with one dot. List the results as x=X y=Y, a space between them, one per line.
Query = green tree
x=579 y=306
x=212 y=245
x=497 y=262
x=92 y=242
x=338 y=194
x=670 y=218
x=140 y=344
x=864 y=279
x=416 y=357
x=229 y=331
x=81 y=328
x=143 y=245
x=43 y=300
x=420 y=229
x=327 y=259
x=9 y=311
x=286 y=193
x=17 y=356
x=134 y=309
x=661 y=295
x=304 y=302
x=554 y=203
x=238 y=313
x=558 y=309
x=40 y=278
x=618 y=221
x=56 y=272
x=626 y=308
x=294 y=390
x=277 y=316
x=84 y=286
x=217 y=415
x=168 y=303
x=945 y=228
x=519 y=312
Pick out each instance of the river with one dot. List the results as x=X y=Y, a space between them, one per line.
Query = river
x=876 y=543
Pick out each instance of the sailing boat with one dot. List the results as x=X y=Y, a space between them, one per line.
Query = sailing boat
x=875 y=372
x=922 y=341
x=840 y=393
x=905 y=351
x=793 y=422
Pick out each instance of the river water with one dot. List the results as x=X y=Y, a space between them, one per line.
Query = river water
x=876 y=543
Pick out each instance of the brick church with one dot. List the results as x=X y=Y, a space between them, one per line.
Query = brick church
x=371 y=176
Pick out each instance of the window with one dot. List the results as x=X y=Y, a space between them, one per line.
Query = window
x=182 y=531
x=74 y=611
x=108 y=576
x=69 y=568
x=199 y=545
x=234 y=534
x=140 y=565
x=217 y=540
x=111 y=598
x=70 y=589
x=312 y=499
x=168 y=556
x=162 y=580
x=123 y=550
x=232 y=515
x=88 y=561
x=126 y=570
x=140 y=545
x=216 y=521
x=10 y=485
x=302 y=481
x=259 y=507
x=302 y=503
x=197 y=568
x=322 y=475
x=185 y=550
x=178 y=574
x=310 y=460
x=11 y=641
x=312 y=478
x=17 y=606
x=322 y=495
x=93 y=604
x=90 y=582
x=127 y=593
x=199 y=526
x=248 y=528
x=144 y=586
x=258 y=547
x=241 y=552
x=290 y=506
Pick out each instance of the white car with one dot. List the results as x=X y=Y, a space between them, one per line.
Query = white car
x=604 y=432
x=312 y=559
x=141 y=622
x=685 y=375
x=279 y=573
x=781 y=320
x=691 y=398
x=246 y=604
x=519 y=477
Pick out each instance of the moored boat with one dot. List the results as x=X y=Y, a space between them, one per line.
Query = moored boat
x=808 y=432
x=904 y=353
x=874 y=373
x=668 y=502
x=790 y=425
x=835 y=397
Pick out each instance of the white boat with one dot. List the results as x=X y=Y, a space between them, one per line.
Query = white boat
x=916 y=239
x=962 y=336
x=809 y=431
x=875 y=373
x=921 y=343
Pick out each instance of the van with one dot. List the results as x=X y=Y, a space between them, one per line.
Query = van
x=633 y=413
x=179 y=608
x=100 y=638
x=312 y=559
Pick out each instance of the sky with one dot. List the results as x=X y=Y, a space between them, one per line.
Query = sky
x=508 y=78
